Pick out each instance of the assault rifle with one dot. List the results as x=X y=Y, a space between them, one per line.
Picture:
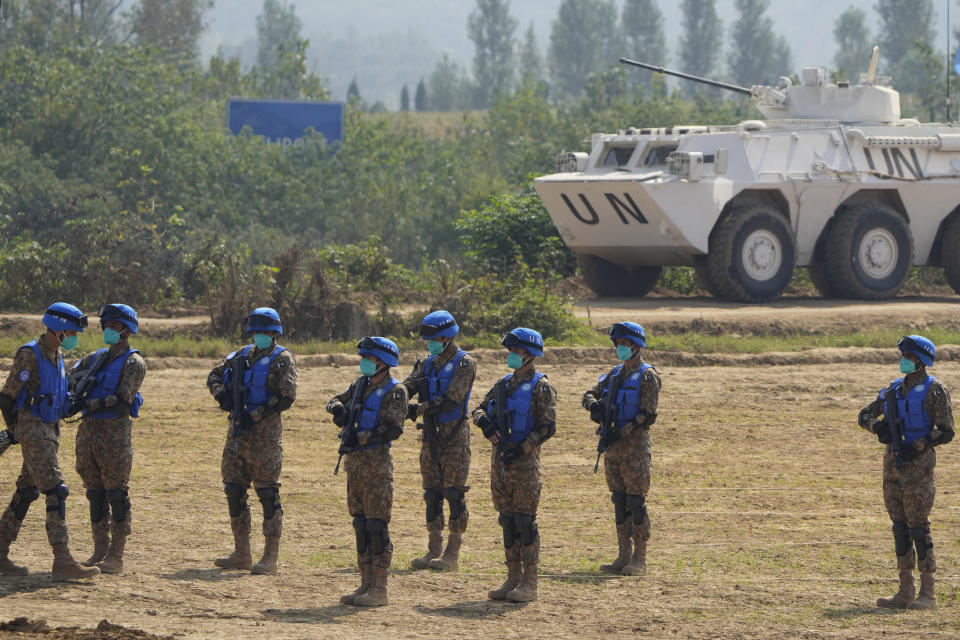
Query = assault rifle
x=348 y=432
x=609 y=416
x=503 y=423
x=82 y=384
x=237 y=367
x=895 y=429
x=430 y=424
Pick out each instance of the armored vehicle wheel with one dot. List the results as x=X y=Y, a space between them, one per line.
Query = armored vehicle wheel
x=752 y=254
x=610 y=280
x=818 y=268
x=869 y=252
x=950 y=252
x=703 y=275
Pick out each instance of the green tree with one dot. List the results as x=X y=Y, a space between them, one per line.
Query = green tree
x=530 y=58
x=353 y=92
x=278 y=31
x=491 y=28
x=755 y=52
x=584 y=39
x=404 y=99
x=449 y=89
x=701 y=40
x=643 y=36
x=902 y=22
x=420 y=96
x=173 y=26
x=48 y=25
x=854 y=46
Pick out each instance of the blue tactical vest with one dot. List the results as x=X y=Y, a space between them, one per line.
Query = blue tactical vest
x=255 y=391
x=518 y=406
x=370 y=414
x=108 y=378
x=628 y=396
x=50 y=400
x=912 y=408
x=440 y=380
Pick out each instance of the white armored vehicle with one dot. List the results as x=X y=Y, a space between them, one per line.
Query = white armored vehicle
x=833 y=180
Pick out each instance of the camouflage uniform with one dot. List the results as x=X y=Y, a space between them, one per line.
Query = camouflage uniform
x=909 y=507
x=627 y=465
x=453 y=447
x=516 y=485
x=256 y=454
x=105 y=451
x=370 y=478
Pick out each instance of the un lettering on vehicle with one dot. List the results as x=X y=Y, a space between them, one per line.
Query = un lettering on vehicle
x=623 y=206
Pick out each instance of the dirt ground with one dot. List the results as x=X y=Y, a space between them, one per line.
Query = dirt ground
x=767 y=516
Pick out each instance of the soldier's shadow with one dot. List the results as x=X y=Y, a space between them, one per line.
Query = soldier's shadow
x=32 y=583
x=857 y=612
x=471 y=610
x=205 y=575
x=322 y=615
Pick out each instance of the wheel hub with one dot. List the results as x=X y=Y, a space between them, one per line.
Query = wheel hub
x=762 y=255
x=879 y=253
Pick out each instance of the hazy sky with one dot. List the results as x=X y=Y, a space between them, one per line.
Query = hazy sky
x=357 y=33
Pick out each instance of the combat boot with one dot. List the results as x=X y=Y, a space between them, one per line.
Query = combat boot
x=638 y=563
x=366 y=578
x=101 y=543
x=626 y=548
x=433 y=550
x=450 y=560
x=928 y=597
x=64 y=566
x=376 y=595
x=904 y=595
x=113 y=563
x=7 y=567
x=526 y=591
x=514 y=575
x=241 y=557
x=268 y=563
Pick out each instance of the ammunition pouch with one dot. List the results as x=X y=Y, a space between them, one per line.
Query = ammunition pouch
x=61 y=492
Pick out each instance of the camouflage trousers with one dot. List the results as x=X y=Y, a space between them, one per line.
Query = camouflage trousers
x=626 y=466
x=40 y=470
x=256 y=457
x=912 y=505
x=453 y=445
x=105 y=457
x=516 y=489
x=370 y=494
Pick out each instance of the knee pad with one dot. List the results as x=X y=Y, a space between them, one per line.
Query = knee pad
x=526 y=526
x=360 y=529
x=119 y=503
x=378 y=535
x=901 y=538
x=619 y=506
x=434 y=500
x=455 y=498
x=270 y=500
x=509 y=531
x=923 y=541
x=98 y=505
x=22 y=498
x=638 y=508
x=61 y=492
x=236 y=497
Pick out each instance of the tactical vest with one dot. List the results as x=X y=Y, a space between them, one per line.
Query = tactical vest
x=440 y=380
x=370 y=414
x=518 y=406
x=49 y=401
x=628 y=396
x=255 y=391
x=913 y=410
x=108 y=378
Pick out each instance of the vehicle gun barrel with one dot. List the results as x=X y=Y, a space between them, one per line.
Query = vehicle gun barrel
x=687 y=76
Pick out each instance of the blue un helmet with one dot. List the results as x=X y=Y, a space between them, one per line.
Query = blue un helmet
x=525 y=338
x=61 y=316
x=120 y=313
x=919 y=346
x=438 y=324
x=630 y=331
x=381 y=348
x=263 y=319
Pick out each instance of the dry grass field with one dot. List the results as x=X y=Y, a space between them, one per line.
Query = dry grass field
x=767 y=522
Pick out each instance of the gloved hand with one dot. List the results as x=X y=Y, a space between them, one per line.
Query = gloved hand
x=864 y=419
x=486 y=425
x=225 y=399
x=6 y=438
x=596 y=412
x=412 y=411
x=613 y=436
x=882 y=429
x=919 y=445
x=339 y=415
x=511 y=453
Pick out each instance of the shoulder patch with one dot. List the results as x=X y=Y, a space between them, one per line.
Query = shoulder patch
x=938 y=390
x=398 y=393
x=648 y=375
x=463 y=362
x=281 y=362
x=24 y=375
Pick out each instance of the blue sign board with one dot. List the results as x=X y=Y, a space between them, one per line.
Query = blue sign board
x=284 y=121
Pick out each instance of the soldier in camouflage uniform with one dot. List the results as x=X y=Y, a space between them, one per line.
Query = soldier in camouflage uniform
x=370 y=414
x=104 y=446
x=923 y=404
x=33 y=400
x=517 y=427
x=627 y=397
x=254 y=449
x=444 y=381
